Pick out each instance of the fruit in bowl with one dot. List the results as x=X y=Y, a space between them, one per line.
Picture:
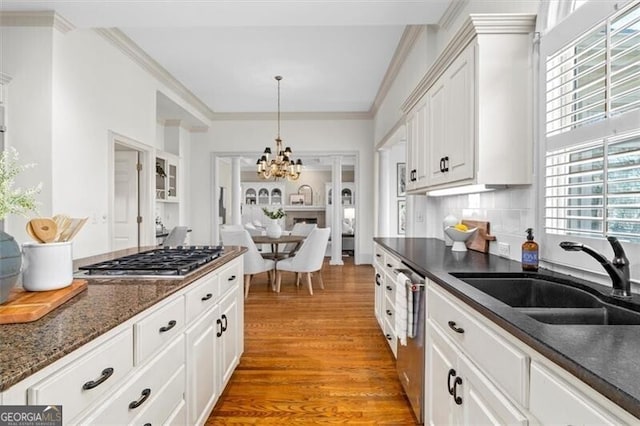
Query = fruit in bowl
x=459 y=233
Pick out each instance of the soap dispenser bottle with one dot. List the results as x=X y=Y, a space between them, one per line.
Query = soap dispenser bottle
x=530 y=253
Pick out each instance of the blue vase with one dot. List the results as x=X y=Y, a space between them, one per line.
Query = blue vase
x=10 y=263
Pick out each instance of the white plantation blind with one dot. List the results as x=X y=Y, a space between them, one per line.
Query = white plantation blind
x=592 y=170
x=595 y=76
x=593 y=189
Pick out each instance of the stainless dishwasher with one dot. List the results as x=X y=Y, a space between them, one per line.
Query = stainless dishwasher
x=410 y=360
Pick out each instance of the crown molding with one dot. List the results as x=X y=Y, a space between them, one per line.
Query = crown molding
x=405 y=45
x=387 y=138
x=476 y=24
x=272 y=116
x=133 y=51
x=452 y=12
x=45 y=18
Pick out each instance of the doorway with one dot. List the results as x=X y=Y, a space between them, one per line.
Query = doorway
x=132 y=198
x=126 y=197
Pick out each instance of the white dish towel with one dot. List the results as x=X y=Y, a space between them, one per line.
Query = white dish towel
x=402 y=308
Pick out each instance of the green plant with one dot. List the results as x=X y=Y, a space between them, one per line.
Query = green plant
x=14 y=200
x=278 y=214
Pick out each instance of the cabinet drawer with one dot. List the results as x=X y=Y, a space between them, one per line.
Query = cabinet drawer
x=390 y=289
x=390 y=335
x=203 y=296
x=501 y=361
x=230 y=276
x=154 y=378
x=553 y=401
x=378 y=255
x=162 y=407
x=88 y=378
x=391 y=263
x=158 y=329
x=389 y=309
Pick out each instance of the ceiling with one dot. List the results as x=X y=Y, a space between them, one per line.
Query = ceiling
x=333 y=55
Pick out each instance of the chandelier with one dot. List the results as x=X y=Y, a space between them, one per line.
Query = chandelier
x=281 y=165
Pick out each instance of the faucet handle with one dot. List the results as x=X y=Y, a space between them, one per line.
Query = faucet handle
x=620 y=256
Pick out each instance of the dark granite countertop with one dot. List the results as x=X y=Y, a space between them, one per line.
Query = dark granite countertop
x=107 y=302
x=604 y=357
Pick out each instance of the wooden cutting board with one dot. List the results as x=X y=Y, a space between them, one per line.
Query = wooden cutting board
x=27 y=306
x=480 y=240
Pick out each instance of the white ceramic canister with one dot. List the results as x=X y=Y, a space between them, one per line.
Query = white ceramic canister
x=46 y=266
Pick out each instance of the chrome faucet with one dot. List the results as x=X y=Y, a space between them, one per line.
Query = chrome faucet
x=618 y=268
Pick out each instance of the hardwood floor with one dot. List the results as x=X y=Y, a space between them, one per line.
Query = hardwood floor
x=318 y=359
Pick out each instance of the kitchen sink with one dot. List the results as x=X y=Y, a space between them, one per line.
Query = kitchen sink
x=550 y=300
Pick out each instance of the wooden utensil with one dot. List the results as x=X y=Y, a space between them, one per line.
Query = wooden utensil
x=33 y=234
x=45 y=229
x=75 y=224
x=77 y=227
x=62 y=221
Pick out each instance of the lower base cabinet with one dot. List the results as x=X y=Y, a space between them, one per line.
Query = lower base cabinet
x=458 y=393
x=167 y=365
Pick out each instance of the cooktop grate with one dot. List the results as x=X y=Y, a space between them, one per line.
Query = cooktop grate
x=164 y=261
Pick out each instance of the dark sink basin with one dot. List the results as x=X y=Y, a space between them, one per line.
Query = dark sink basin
x=550 y=300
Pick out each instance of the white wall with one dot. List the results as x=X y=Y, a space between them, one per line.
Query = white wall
x=67 y=92
x=27 y=59
x=311 y=136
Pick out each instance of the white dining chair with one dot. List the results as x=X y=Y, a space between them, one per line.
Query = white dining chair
x=302 y=229
x=307 y=260
x=176 y=237
x=254 y=263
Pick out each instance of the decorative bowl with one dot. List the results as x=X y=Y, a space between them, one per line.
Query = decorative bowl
x=459 y=237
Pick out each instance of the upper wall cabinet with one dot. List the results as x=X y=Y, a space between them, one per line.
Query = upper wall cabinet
x=469 y=120
x=167 y=177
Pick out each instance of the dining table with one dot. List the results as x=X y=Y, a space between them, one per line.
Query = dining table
x=275 y=243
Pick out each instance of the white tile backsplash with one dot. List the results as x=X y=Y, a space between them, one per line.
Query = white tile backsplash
x=509 y=212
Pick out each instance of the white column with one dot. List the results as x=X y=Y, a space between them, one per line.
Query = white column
x=384 y=203
x=336 y=211
x=236 y=195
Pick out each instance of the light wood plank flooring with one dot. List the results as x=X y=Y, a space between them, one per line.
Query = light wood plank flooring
x=318 y=359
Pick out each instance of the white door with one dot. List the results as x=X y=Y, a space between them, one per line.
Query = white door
x=125 y=211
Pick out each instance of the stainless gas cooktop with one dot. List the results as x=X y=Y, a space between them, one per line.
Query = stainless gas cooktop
x=163 y=262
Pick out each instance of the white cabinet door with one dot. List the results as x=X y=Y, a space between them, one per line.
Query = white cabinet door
x=482 y=403
x=436 y=133
x=460 y=118
x=379 y=295
x=440 y=370
x=417 y=129
x=451 y=131
x=554 y=401
x=458 y=393
x=228 y=337
x=202 y=383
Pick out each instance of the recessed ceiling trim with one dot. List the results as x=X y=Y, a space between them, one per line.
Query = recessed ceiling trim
x=35 y=19
x=407 y=41
x=133 y=51
x=229 y=116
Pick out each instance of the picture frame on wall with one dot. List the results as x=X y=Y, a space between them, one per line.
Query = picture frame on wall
x=402 y=216
x=296 y=199
x=401 y=175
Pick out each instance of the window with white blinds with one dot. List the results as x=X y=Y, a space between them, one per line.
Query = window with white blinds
x=593 y=189
x=592 y=168
x=596 y=76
